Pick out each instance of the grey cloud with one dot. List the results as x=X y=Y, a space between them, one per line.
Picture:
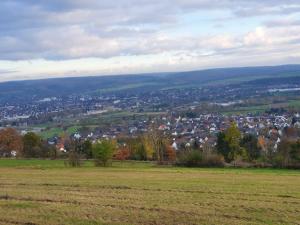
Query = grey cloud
x=282 y=23
x=62 y=29
x=262 y=11
x=7 y=71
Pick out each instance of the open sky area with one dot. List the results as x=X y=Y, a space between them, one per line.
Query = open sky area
x=60 y=38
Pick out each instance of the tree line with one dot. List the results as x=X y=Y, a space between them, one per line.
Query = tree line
x=275 y=150
x=232 y=148
x=152 y=146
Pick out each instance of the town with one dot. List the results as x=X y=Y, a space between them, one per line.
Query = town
x=188 y=117
x=217 y=98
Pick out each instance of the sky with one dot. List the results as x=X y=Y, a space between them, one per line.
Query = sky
x=60 y=38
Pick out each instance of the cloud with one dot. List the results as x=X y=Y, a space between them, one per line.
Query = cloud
x=132 y=31
x=286 y=22
x=63 y=29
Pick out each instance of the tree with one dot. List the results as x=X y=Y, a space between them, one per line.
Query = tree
x=141 y=151
x=250 y=143
x=87 y=148
x=137 y=148
x=261 y=141
x=122 y=154
x=32 y=144
x=282 y=157
x=222 y=146
x=74 y=152
x=288 y=154
x=82 y=147
x=290 y=132
x=233 y=138
x=49 y=150
x=170 y=153
x=10 y=140
x=157 y=141
x=148 y=145
x=103 y=152
x=295 y=152
x=74 y=159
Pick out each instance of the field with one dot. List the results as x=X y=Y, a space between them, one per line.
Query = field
x=45 y=192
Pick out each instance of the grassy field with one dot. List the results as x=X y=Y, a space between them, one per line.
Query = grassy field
x=45 y=192
x=294 y=104
x=245 y=110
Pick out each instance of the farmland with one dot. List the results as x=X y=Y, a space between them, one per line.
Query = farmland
x=45 y=192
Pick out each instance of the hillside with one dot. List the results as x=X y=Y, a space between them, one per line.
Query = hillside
x=37 y=89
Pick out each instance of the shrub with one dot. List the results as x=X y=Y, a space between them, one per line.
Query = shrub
x=32 y=145
x=170 y=154
x=190 y=158
x=73 y=159
x=103 y=152
x=122 y=154
x=195 y=158
x=213 y=160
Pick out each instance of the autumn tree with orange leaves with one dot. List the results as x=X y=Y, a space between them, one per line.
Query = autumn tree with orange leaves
x=10 y=140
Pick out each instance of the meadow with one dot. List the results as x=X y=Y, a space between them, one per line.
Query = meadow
x=46 y=192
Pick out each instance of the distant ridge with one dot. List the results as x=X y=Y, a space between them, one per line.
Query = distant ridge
x=35 y=89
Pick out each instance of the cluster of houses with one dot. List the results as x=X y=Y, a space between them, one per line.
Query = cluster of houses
x=203 y=130
x=199 y=131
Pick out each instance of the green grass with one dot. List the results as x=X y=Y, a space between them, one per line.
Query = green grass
x=57 y=131
x=248 y=109
x=31 y=163
x=294 y=103
x=57 y=164
x=45 y=192
x=262 y=108
x=126 y=87
x=54 y=131
x=73 y=129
